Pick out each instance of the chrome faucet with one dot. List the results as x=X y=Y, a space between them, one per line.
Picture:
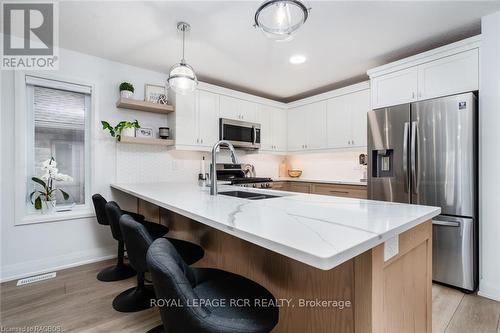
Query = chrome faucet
x=213 y=171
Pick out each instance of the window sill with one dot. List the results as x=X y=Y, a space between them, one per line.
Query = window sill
x=58 y=216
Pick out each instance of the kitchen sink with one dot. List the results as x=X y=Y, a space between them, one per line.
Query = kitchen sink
x=248 y=195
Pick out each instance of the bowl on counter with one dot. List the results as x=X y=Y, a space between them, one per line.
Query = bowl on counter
x=294 y=173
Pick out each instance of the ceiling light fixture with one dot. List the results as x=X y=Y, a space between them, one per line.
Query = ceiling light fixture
x=182 y=78
x=297 y=59
x=278 y=19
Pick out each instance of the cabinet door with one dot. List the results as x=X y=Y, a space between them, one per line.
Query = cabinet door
x=279 y=125
x=338 y=122
x=316 y=125
x=395 y=88
x=185 y=127
x=360 y=105
x=448 y=76
x=208 y=118
x=299 y=187
x=248 y=110
x=264 y=118
x=230 y=108
x=296 y=129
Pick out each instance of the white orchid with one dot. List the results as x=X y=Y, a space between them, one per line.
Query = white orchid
x=51 y=173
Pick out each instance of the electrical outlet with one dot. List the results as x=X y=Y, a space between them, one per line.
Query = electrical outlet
x=391 y=247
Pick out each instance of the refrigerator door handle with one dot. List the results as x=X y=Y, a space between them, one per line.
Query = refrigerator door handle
x=405 y=155
x=414 y=157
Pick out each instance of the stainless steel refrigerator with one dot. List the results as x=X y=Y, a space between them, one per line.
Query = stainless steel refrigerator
x=426 y=153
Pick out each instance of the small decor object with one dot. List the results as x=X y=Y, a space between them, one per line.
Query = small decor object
x=45 y=199
x=152 y=93
x=144 y=132
x=126 y=90
x=126 y=128
x=181 y=77
x=162 y=99
x=294 y=173
x=164 y=132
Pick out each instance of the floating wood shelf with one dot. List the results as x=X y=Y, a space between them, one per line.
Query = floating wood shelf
x=128 y=103
x=147 y=141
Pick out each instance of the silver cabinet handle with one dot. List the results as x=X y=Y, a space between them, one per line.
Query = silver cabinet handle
x=405 y=155
x=414 y=156
x=446 y=223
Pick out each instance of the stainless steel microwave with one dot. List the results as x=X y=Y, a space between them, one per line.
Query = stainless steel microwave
x=241 y=134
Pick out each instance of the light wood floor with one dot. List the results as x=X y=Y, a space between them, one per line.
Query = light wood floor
x=76 y=302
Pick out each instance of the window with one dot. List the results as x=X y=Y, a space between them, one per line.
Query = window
x=58 y=127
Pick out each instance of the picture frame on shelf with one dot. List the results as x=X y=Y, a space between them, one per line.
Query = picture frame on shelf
x=153 y=92
x=144 y=132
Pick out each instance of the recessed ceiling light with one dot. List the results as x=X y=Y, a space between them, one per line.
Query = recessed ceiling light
x=297 y=59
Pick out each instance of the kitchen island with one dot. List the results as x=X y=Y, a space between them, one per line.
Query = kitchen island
x=313 y=252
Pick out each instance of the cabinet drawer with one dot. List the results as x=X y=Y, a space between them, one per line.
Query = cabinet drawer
x=298 y=187
x=348 y=191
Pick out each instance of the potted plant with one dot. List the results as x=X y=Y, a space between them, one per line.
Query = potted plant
x=126 y=90
x=45 y=199
x=124 y=127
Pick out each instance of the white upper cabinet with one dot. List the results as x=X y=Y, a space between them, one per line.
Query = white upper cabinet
x=296 y=129
x=448 y=70
x=196 y=119
x=237 y=109
x=358 y=116
x=279 y=126
x=273 y=126
x=208 y=118
x=307 y=127
x=316 y=126
x=346 y=120
x=395 y=88
x=450 y=75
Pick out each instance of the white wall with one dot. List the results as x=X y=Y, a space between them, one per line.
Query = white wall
x=489 y=114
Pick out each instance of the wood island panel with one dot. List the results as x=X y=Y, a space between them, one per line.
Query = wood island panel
x=393 y=296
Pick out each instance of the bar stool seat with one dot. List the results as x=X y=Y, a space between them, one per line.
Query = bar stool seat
x=174 y=280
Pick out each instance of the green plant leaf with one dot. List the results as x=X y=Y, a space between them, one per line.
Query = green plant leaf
x=106 y=125
x=38 y=203
x=39 y=181
x=65 y=195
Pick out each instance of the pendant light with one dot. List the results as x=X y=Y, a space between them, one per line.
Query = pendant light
x=182 y=78
x=278 y=19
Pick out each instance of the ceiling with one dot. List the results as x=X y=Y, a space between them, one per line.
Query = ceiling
x=341 y=40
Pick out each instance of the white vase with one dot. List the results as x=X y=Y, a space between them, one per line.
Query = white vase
x=126 y=94
x=48 y=207
x=128 y=132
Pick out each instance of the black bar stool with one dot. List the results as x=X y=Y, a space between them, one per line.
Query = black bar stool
x=173 y=279
x=121 y=270
x=138 y=237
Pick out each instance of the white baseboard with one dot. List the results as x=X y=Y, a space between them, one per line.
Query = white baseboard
x=489 y=290
x=35 y=267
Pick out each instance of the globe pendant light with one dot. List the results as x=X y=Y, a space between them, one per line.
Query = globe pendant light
x=182 y=78
x=278 y=19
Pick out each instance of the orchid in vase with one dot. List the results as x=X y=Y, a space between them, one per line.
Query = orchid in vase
x=45 y=199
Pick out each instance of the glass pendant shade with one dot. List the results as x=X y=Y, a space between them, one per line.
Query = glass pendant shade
x=278 y=19
x=182 y=78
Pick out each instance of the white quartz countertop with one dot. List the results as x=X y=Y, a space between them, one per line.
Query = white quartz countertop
x=321 y=181
x=321 y=231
